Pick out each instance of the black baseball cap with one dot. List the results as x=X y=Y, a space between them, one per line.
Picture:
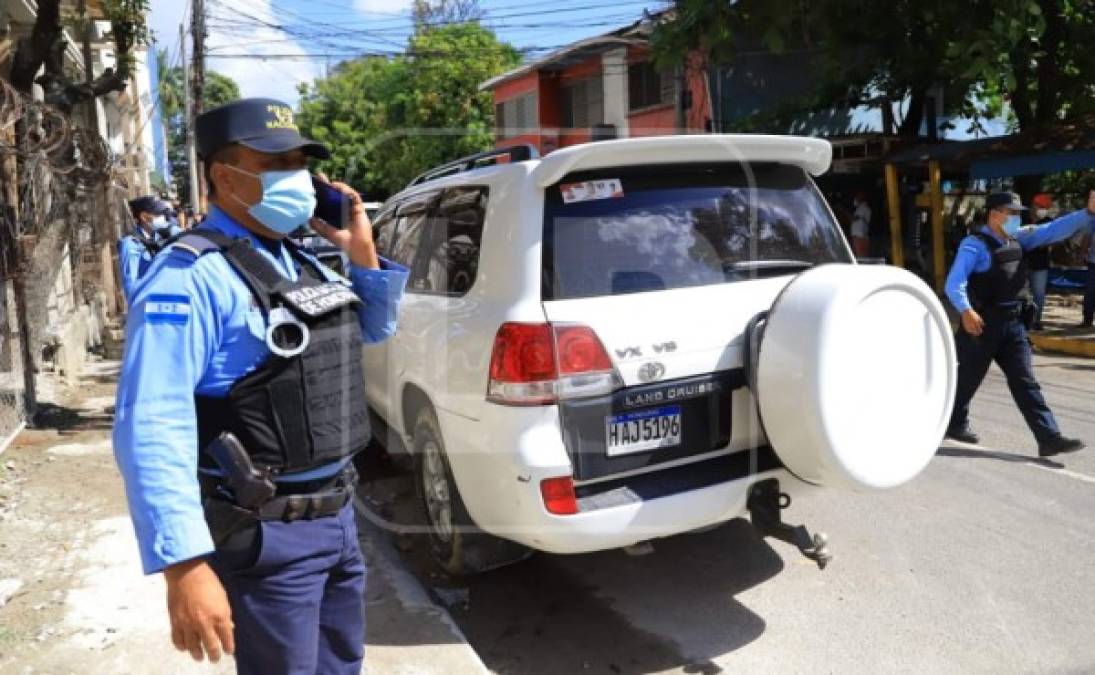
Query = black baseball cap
x=148 y=204
x=262 y=124
x=1008 y=199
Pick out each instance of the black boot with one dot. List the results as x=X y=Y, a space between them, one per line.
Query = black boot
x=1059 y=445
x=963 y=434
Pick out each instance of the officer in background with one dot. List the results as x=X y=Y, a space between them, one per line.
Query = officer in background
x=151 y=228
x=988 y=286
x=241 y=405
x=1089 y=287
x=1038 y=259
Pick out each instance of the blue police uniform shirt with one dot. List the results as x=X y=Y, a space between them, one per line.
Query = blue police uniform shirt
x=134 y=258
x=1091 y=244
x=974 y=256
x=194 y=328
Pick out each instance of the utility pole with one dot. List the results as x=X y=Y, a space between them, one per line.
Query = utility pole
x=188 y=122
x=197 y=32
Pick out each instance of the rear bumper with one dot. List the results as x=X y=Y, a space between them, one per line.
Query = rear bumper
x=499 y=462
x=630 y=523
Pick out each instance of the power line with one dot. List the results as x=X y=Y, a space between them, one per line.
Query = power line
x=486 y=17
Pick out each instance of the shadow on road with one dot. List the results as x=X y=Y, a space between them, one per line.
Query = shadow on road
x=551 y=614
x=1000 y=456
x=591 y=613
x=69 y=421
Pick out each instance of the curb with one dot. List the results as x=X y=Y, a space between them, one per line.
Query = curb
x=438 y=645
x=1064 y=345
x=6 y=442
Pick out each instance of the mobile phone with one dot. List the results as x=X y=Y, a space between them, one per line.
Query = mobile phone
x=331 y=205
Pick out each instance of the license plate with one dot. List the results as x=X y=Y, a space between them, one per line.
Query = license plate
x=644 y=430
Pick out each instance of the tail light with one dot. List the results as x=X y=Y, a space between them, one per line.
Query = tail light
x=541 y=363
x=559 y=497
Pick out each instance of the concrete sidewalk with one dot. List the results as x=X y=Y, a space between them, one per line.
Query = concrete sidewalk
x=72 y=596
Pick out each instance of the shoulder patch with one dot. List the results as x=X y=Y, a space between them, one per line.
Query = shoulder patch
x=167 y=308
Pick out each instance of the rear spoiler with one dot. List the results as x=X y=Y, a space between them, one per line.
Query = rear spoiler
x=813 y=155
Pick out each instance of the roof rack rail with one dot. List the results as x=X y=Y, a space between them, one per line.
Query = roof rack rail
x=516 y=153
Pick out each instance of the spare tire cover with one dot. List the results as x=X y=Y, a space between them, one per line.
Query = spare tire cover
x=856 y=375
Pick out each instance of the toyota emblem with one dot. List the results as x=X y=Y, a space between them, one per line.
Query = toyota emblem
x=649 y=372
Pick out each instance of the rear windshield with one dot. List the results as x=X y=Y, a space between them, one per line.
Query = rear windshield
x=664 y=227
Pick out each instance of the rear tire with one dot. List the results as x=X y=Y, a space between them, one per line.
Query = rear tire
x=456 y=544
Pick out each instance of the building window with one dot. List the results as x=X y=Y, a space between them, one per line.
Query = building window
x=583 y=103
x=648 y=86
x=516 y=116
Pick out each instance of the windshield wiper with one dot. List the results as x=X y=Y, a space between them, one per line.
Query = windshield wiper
x=766 y=267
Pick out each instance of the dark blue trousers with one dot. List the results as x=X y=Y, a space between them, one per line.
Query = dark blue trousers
x=297 y=596
x=1005 y=342
x=1089 y=293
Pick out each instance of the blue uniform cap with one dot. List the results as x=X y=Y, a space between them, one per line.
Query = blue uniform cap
x=1008 y=199
x=262 y=124
x=148 y=204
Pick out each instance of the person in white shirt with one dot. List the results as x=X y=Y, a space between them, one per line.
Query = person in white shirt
x=861 y=225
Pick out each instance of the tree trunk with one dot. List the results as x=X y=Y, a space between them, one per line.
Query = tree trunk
x=30 y=394
x=914 y=118
x=1021 y=101
x=1049 y=65
x=33 y=51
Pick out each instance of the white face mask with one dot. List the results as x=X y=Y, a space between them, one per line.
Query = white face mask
x=1042 y=213
x=159 y=221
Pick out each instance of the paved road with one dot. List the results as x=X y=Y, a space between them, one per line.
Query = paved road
x=983 y=564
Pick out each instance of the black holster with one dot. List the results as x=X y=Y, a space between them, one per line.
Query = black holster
x=225 y=519
x=1027 y=314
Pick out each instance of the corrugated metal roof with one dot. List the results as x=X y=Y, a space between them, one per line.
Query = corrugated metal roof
x=1054 y=148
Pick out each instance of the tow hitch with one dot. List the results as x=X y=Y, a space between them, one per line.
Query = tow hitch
x=765 y=503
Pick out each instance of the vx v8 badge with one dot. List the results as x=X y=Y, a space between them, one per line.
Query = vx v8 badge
x=651 y=371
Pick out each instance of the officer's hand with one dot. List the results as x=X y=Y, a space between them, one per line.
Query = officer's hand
x=200 y=614
x=1091 y=202
x=356 y=239
x=972 y=322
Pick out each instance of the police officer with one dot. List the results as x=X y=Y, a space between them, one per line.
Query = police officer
x=1089 y=287
x=987 y=285
x=240 y=407
x=151 y=228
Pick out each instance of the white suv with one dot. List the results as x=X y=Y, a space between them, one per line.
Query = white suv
x=630 y=339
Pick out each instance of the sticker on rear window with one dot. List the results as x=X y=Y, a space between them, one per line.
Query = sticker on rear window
x=591 y=189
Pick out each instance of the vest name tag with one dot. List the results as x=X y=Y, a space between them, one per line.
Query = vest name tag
x=319 y=300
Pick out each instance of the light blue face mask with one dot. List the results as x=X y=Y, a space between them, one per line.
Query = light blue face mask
x=1012 y=225
x=288 y=199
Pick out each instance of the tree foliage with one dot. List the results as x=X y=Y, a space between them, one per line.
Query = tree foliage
x=219 y=89
x=387 y=120
x=978 y=53
x=1034 y=53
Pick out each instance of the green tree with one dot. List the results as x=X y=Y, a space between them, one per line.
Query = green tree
x=171 y=87
x=1035 y=53
x=387 y=120
x=219 y=89
x=1031 y=53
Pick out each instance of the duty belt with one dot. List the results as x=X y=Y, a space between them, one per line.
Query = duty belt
x=293 y=502
x=1004 y=311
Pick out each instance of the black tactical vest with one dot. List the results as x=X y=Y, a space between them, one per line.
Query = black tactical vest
x=155 y=242
x=299 y=412
x=1005 y=281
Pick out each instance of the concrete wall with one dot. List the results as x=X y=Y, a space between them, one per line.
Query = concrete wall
x=11 y=367
x=614 y=71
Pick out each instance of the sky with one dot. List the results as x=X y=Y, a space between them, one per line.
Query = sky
x=270 y=46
